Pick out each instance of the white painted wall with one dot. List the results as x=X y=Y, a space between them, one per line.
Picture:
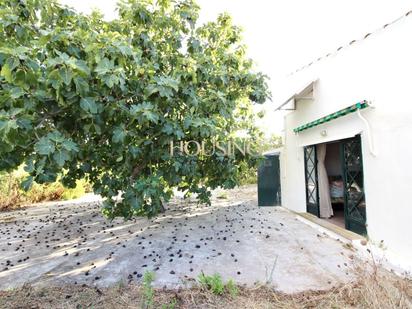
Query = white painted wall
x=378 y=69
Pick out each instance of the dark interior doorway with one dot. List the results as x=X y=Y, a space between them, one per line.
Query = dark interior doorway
x=344 y=168
x=333 y=165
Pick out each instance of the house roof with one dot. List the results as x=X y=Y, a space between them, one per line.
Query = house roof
x=352 y=42
x=304 y=92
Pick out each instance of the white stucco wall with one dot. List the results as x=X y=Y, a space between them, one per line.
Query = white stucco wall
x=378 y=69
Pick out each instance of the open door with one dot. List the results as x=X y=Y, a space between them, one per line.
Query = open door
x=354 y=194
x=311 y=177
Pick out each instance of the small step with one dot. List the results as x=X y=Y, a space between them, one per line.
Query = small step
x=349 y=235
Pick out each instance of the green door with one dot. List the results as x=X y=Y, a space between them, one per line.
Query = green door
x=311 y=178
x=269 y=181
x=354 y=194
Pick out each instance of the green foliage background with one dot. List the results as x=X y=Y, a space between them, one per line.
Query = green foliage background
x=102 y=100
x=12 y=196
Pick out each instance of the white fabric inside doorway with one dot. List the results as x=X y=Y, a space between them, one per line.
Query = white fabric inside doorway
x=325 y=205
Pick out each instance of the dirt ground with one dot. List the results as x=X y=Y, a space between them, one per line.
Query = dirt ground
x=377 y=289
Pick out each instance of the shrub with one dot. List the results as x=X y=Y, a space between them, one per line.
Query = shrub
x=248 y=174
x=248 y=169
x=11 y=194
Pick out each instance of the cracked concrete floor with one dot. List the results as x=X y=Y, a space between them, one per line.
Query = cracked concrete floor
x=71 y=242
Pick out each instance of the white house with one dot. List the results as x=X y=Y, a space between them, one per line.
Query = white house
x=347 y=153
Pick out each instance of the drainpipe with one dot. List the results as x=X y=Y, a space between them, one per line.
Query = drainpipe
x=369 y=133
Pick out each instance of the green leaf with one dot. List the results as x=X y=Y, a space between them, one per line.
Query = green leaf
x=6 y=72
x=44 y=146
x=151 y=89
x=70 y=145
x=82 y=67
x=168 y=129
x=119 y=135
x=82 y=87
x=135 y=151
x=7 y=125
x=110 y=80
x=56 y=136
x=172 y=83
x=151 y=116
x=88 y=105
x=29 y=166
x=54 y=79
x=27 y=183
x=66 y=76
x=125 y=50
x=104 y=66
x=165 y=92
x=97 y=129
x=60 y=157
x=63 y=56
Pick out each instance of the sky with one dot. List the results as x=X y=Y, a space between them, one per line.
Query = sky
x=284 y=35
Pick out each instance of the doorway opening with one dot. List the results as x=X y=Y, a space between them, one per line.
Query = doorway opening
x=334 y=183
x=333 y=167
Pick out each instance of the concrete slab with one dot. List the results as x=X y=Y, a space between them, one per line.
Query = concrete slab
x=72 y=243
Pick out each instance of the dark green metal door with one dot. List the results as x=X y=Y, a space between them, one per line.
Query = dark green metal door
x=354 y=195
x=311 y=178
x=269 y=181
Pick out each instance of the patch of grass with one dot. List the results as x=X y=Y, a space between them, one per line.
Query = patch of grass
x=170 y=305
x=213 y=283
x=216 y=285
x=148 y=291
x=232 y=288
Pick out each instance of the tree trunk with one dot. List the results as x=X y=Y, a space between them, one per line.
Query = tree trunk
x=162 y=208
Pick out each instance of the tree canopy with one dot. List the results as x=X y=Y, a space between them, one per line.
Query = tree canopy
x=83 y=97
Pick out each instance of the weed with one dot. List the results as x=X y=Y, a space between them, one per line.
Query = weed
x=270 y=277
x=148 y=291
x=213 y=283
x=171 y=305
x=120 y=285
x=232 y=288
x=216 y=285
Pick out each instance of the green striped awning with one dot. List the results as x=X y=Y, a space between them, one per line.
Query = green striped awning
x=353 y=108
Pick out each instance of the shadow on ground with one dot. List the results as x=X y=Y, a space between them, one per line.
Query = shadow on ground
x=75 y=244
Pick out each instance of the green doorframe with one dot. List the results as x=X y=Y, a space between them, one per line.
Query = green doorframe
x=311 y=180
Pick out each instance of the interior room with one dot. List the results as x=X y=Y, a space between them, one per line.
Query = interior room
x=333 y=166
